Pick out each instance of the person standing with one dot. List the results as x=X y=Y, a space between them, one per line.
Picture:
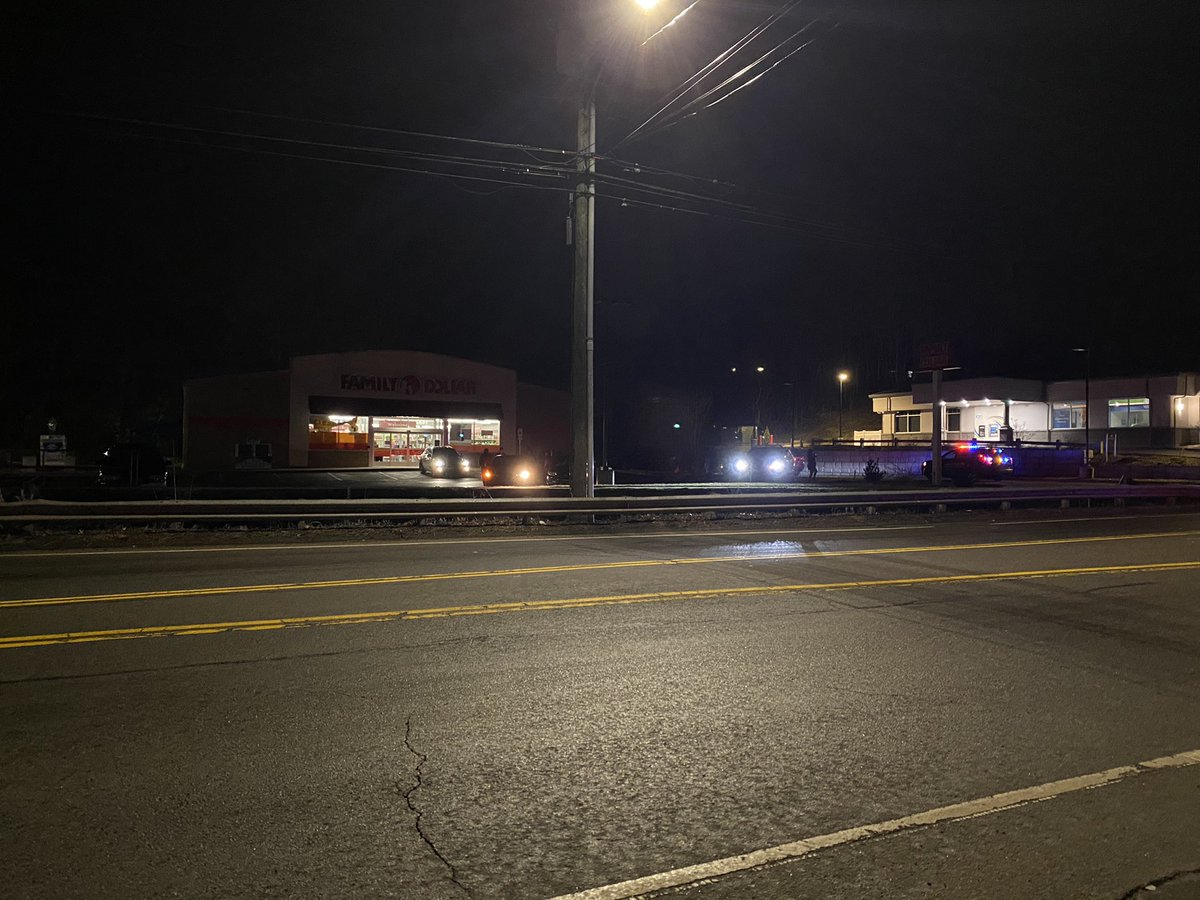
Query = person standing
x=810 y=460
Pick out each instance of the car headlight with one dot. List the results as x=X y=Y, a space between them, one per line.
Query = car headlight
x=523 y=474
x=439 y=466
x=740 y=465
x=776 y=465
x=463 y=464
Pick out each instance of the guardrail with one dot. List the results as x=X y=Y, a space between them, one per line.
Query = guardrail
x=266 y=513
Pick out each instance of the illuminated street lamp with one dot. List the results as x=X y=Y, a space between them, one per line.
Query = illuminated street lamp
x=758 y=408
x=842 y=377
x=583 y=231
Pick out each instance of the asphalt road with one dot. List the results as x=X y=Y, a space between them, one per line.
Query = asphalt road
x=537 y=713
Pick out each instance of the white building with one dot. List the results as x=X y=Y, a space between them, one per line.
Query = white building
x=1153 y=411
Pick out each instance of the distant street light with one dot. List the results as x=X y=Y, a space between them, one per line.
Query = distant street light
x=758 y=408
x=842 y=377
x=792 y=385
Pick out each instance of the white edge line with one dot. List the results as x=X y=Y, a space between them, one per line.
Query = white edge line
x=706 y=872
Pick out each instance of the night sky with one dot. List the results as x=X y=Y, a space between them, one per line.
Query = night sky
x=1018 y=178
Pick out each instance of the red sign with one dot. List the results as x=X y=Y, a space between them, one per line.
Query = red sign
x=933 y=356
x=408 y=384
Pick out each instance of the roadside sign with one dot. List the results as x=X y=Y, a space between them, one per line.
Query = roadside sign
x=933 y=356
x=52 y=450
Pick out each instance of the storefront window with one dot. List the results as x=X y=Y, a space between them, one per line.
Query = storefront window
x=1068 y=415
x=337 y=432
x=953 y=419
x=399 y=441
x=1129 y=412
x=474 y=432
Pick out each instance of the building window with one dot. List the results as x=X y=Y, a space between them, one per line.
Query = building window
x=908 y=422
x=338 y=432
x=953 y=418
x=1068 y=415
x=1129 y=412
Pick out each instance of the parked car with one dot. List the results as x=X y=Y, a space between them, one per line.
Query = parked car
x=133 y=464
x=965 y=464
x=727 y=462
x=771 y=462
x=513 y=470
x=443 y=462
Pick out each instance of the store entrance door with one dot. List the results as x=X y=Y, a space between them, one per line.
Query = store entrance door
x=397 y=443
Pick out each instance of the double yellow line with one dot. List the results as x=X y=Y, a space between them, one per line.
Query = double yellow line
x=402 y=615
x=581 y=567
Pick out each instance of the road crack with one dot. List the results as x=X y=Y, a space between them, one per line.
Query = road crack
x=1145 y=890
x=407 y=793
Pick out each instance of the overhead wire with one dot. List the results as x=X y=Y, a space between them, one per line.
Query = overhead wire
x=528 y=148
x=637 y=168
x=260 y=151
x=710 y=67
x=679 y=15
x=730 y=209
x=757 y=216
x=502 y=165
x=630 y=184
x=682 y=113
x=747 y=84
x=630 y=201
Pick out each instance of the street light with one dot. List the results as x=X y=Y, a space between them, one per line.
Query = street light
x=1087 y=399
x=843 y=377
x=758 y=408
x=583 y=231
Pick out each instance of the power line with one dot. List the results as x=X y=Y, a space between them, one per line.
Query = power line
x=747 y=84
x=638 y=168
x=687 y=9
x=260 y=151
x=400 y=131
x=627 y=201
x=672 y=193
x=682 y=112
x=501 y=165
x=745 y=213
x=711 y=66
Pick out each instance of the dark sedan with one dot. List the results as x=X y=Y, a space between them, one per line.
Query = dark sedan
x=133 y=464
x=513 y=470
x=443 y=462
x=771 y=462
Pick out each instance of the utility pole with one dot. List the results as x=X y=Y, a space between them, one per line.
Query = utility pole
x=936 y=480
x=842 y=377
x=583 y=343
